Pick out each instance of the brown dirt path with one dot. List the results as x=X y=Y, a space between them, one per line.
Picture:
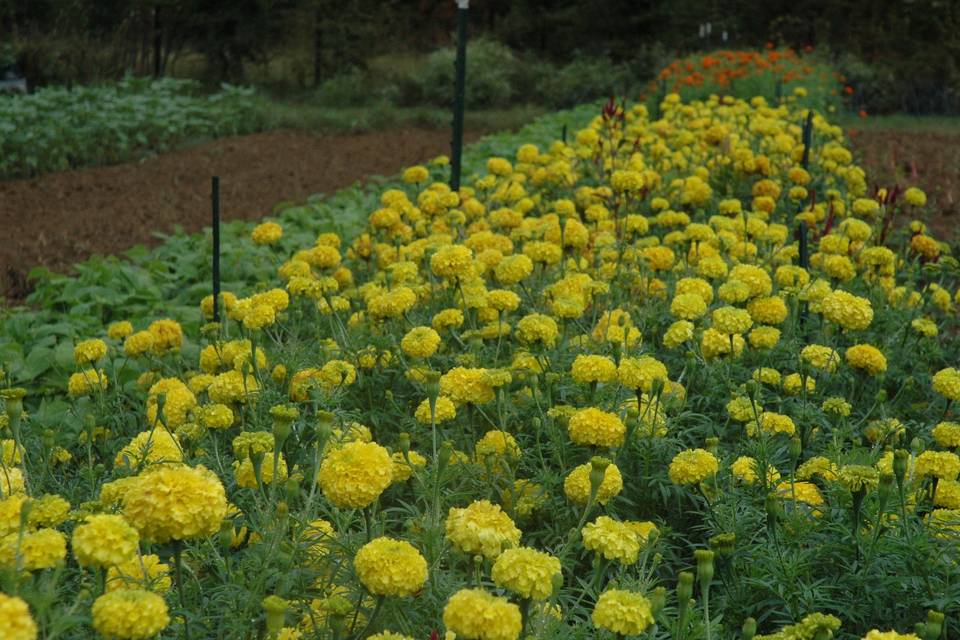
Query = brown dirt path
x=929 y=160
x=59 y=219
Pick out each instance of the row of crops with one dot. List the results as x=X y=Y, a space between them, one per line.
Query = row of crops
x=601 y=391
x=60 y=128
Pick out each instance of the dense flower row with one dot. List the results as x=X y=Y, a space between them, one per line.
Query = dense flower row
x=553 y=401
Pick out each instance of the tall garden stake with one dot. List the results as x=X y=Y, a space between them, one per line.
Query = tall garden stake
x=459 y=95
x=215 y=205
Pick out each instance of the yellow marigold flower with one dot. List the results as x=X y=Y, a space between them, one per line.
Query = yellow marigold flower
x=119 y=330
x=758 y=281
x=445 y=410
x=496 y=443
x=866 y=357
x=36 y=550
x=768 y=310
x=677 y=333
x=10 y=508
x=167 y=334
x=577 y=485
x=452 y=261
x=403 y=466
x=764 y=337
x=773 y=423
x=266 y=233
x=16 y=623
x=389 y=567
x=513 y=269
x=85 y=382
x=503 y=300
x=48 y=511
x=741 y=409
x=474 y=614
x=392 y=304
x=847 y=310
x=915 y=197
x=258 y=317
x=139 y=572
x=733 y=292
x=805 y=492
x=659 y=258
x=714 y=344
x=947 y=434
x=130 y=614
x=175 y=502
x=625 y=613
x=940 y=464
x=593 y=368
x=138 y=344
x=537 y=327
x=11 y=481
x=420 y=342
x=731 y=320
x=746 y=469
x=215 y=416
x=527 y=572
x=818 y=466
x=150 y=447
x=447 y=319
x=946 y=382
x=463 y=385
x=876 y=634
x=481 y=528
x=794 y=384
x=355 y=475
x=591 y=426
x=925 y=246
x=383 y=635
x=688 y=306
x=858 y=477
x=612 y=539
x=948 y=494
x=415 y=174
x=837 y=406
x=640 y=373
x=820 y=357
x=692 y=466
x=104 y=541
x=245 y=474
x=925 y=327
x=89 y=351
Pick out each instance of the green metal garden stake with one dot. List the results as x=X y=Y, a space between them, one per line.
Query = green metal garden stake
x=215 y=202
x=459 y=94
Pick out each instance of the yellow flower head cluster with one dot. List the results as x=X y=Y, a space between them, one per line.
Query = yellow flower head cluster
x=389 y=567
x=693 y=466
x=591 y=426
x=474 y=614
x=527 y=572
x=355 y=475
x=104 y=541
x=16 y=623
x=625 y=613
x=175 y=502
x=130 y=614
x=481 y=528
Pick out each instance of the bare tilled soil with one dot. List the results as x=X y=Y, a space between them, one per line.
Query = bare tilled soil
x=929 y=160
x=59 y=219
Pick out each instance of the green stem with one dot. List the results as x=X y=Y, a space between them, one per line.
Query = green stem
x=178 y=565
